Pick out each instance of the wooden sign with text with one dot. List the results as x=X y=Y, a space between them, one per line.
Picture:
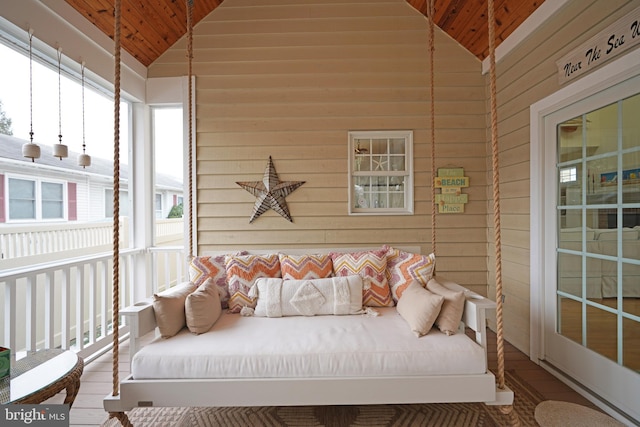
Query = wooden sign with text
x=451 y=181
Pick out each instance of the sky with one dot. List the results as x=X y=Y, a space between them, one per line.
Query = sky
x=98 y=116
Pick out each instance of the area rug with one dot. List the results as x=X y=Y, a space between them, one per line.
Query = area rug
x=433 y=414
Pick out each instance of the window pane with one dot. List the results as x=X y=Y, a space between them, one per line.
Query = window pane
x=22 y=199
x=108 y=203
x=631 y=344
x=602 y=130
x=630 y=122
x=570 y=139
x=52 y=201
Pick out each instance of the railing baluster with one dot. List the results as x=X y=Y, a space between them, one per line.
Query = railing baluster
x=65 y=303
x=30 y=314
x=48 y=310
x=104 y=300
x=79 y=282
x=10 y=316
x=92 y=302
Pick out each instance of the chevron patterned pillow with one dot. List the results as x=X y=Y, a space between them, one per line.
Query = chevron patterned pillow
x=405 y=267
x=300 y=267
x=371 y=266
x=204 y=267
x=242 y=272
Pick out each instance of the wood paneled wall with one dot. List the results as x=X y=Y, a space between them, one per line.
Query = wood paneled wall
x=289 y=79
x=525 y=76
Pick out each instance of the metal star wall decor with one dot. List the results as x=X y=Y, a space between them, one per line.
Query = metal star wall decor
x=270 y=193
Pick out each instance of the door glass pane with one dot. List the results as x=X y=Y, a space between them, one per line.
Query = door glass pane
x=630 y=122
x=570 y=139
x=631 y=342
x=601 y=134
x=570 y=319
x=602 y=336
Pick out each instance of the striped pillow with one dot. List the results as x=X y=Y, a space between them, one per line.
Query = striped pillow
x=242 y=272
x=405 y=267
x=371 y=266
x=301 y=267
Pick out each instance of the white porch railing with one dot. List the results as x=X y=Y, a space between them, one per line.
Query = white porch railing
x=67 y=303
x=18 y=241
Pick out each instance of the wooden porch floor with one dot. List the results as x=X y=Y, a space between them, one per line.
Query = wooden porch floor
x=97 y=383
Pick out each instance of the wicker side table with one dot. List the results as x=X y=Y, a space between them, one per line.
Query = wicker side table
x=42 y=375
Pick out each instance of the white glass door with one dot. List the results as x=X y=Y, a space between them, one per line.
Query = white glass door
x=592 y=308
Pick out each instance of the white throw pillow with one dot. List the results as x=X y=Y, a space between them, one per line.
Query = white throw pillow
x=334 y=295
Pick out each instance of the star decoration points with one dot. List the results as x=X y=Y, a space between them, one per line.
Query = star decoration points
x=270 y=193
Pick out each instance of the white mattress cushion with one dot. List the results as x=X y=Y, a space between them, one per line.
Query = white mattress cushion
x=304 y=347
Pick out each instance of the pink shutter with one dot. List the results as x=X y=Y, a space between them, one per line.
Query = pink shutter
x=3 y=217
x=175 y=199
x=72 y=201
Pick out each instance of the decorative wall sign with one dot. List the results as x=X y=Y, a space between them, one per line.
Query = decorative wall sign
x=613 y=40
x=451 y=181
x=270 y=193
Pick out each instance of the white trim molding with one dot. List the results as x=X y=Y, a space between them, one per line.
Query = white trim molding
x=545 y=11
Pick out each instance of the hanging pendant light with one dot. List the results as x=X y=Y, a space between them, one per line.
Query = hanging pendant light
x=60 y=150
x=31 y=150
x=84 y=159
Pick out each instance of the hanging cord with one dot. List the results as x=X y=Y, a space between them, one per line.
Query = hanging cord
x=495 y=166
x=430 y=15
x=121 y=416
x=190 y=100
x=59 y=99
x=116 y=198
x=31 y=87
x=84 y=144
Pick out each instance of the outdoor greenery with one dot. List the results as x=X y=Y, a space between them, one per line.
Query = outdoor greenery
x=176 y=211
x=5 y=122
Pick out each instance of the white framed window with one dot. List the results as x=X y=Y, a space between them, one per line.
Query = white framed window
x=381 y=172
x=108 y=203
x=35 y=199
x=568 y=175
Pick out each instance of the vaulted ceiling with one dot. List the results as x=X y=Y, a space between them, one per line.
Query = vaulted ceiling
x=150 y=27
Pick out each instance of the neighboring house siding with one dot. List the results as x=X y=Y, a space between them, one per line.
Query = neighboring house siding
x=525 y=76
x=289 y=80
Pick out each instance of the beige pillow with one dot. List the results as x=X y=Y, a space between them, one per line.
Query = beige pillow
x=419 y=308
x=202 y=307
x=169 y=308
x=450 y=315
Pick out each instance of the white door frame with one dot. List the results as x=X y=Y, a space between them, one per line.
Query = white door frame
x=542 y=227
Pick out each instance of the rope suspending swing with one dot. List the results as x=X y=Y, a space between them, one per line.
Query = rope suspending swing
x=495 y=167
x=500 y=377
x=121 y=416
x=189 y=4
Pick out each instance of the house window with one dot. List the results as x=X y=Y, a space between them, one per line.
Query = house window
x=108 y=203
x=158 y=205
x=22 y=199
x=568 y=175
x=380 y=172
x=35 y=199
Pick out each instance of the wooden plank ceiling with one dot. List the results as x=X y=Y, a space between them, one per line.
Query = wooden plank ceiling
x=150 y=27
